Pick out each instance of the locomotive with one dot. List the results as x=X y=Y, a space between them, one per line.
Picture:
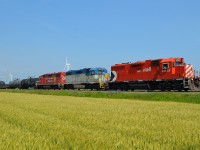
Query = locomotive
x=87 y=78
x=159 y=74
x=51 y=81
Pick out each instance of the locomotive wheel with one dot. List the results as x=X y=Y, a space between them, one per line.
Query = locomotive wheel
x=115 y=87
x=121 y=89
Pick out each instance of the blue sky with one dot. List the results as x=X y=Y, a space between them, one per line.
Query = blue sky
x=37 y=35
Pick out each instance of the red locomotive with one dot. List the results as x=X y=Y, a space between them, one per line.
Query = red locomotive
x=52 y=81
x=158 y=74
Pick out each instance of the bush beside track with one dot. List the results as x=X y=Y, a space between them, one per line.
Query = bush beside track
x=190 y=97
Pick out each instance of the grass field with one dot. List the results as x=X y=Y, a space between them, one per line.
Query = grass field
x=186 y=97
x=29 y=121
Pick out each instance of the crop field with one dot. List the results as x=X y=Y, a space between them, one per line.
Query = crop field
x=33 y=121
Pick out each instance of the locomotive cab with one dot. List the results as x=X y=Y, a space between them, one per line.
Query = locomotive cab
x=100 y=76
x=179 y=66
x=172 y=68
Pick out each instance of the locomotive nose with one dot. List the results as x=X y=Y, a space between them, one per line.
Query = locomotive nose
x=189 y=71
x=113 y=76
x=107 y=76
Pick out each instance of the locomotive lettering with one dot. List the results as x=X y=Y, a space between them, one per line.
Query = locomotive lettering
x=147 y=69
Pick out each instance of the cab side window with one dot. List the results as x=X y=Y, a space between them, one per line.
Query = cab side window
x=92 y=73
x=179 y=64
x=165 y=66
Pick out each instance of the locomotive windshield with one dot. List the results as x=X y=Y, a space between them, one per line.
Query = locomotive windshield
x=102 y=70
x=98 y=71
x=179 y=63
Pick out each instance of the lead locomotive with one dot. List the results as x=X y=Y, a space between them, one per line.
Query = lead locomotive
x=159 y=74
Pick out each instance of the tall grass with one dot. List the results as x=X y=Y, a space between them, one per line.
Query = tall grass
x=187 y=97
x=30 y=121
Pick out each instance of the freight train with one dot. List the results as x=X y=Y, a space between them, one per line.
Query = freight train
x=159 y=74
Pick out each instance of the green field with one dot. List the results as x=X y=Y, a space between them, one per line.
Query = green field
x=32 y=121
x=186 y=97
